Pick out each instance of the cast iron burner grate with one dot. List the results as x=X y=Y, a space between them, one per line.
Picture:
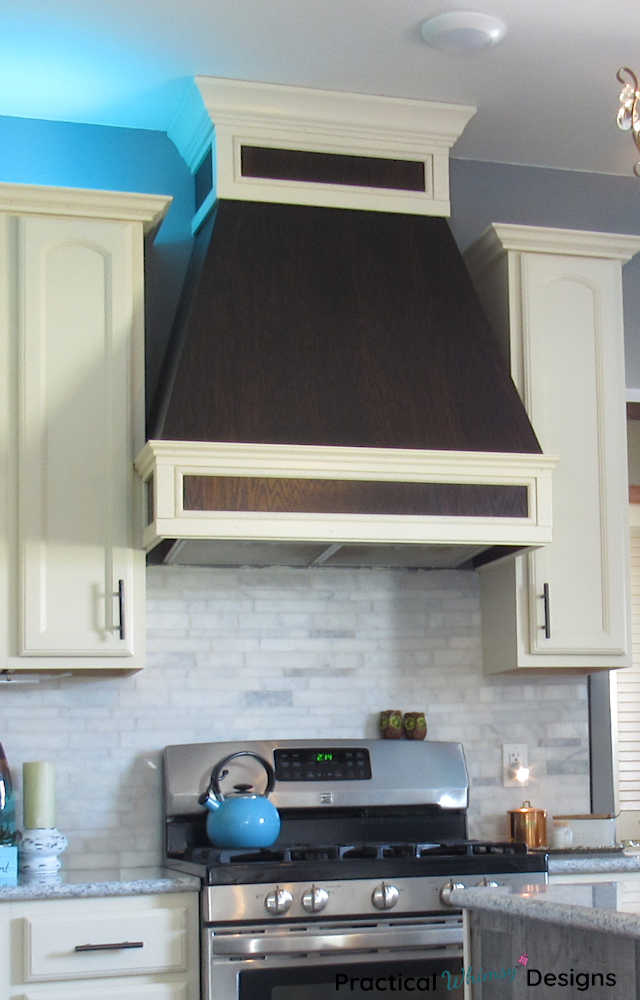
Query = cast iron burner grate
x=472 y=848
x=309 y=853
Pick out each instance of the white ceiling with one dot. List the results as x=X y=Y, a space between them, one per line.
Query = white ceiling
x=546 y=96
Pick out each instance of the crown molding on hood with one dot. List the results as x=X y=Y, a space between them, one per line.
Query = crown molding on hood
x=275 y=116
x=191 y=130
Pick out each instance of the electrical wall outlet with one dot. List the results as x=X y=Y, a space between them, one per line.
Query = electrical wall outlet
x=514 y=755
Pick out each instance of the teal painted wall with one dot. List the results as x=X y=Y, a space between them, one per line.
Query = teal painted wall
x=116 y=159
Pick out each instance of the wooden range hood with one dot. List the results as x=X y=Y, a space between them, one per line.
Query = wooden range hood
x=332 y=392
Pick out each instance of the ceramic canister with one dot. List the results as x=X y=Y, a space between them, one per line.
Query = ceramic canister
x=391 y=724
x=414 y=725
x=528 y=825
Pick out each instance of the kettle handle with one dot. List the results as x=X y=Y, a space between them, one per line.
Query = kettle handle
x=214 y=786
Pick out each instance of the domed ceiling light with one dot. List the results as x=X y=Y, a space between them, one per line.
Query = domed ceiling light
x=462 y=31
x=629 y=111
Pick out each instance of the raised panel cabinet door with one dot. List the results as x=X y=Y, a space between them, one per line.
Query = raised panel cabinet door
x=75 y=319
x=574 y=394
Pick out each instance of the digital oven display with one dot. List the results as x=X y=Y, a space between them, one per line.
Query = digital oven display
x=326 y=764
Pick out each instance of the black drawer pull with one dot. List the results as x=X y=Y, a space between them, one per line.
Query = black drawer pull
x=117 y=946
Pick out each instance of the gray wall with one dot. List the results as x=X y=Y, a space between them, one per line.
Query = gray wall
x=482 y=193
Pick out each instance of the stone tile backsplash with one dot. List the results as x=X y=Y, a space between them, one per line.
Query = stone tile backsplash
x=246 y=653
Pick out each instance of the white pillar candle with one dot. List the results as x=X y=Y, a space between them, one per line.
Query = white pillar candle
x=39 y=794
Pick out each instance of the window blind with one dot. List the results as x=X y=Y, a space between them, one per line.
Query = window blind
x=627 y=701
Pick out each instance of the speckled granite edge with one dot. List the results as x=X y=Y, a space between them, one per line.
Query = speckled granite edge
x=591 y=864
x=548 y=910
x=82 y=885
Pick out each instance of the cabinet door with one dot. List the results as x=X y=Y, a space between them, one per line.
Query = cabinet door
x=574 y=393
x=75 y=324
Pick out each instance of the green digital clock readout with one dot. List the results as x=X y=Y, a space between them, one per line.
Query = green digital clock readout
x=322 y=764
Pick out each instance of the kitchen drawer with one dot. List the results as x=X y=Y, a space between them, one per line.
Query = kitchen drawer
x=117 y=991
x=51 y=945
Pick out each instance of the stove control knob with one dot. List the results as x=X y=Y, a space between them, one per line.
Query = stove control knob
x=384 y=896
x=278 y=901
x=490 y=883
x=447 y=889
x=315 y=899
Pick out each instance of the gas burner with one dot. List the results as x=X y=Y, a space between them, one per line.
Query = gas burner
x=399 y=851
x=500 y=847
x=359 y=852
x=298 y=853
x=473 y=848
x=228 y=856
x=314 y=852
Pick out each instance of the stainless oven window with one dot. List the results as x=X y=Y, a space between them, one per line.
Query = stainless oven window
x=374 y=978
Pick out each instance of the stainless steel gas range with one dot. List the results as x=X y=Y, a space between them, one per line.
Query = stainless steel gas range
x=352 y=897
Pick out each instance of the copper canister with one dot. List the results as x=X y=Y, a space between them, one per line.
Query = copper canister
x=528 y=825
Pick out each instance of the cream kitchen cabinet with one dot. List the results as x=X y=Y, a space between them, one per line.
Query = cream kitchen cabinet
x=71 y=420
x=129 y=948
x=555 y=301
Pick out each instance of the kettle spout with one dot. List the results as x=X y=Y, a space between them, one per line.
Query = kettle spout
x=209 y=802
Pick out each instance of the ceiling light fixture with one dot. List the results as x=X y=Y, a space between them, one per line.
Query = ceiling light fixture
x=629 y=111
x=462 y=31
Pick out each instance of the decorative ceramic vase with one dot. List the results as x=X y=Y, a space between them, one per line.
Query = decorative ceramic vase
x=391 y=724
x=415 y=725
x=39 y=850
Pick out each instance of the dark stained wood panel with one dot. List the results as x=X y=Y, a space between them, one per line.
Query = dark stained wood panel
x=332 y=168
x=330 y=496
x=318 y=326
x=633 y=411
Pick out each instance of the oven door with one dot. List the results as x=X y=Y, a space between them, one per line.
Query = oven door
x=326 y=961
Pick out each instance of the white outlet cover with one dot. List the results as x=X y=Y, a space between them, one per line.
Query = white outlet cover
x=513 y=755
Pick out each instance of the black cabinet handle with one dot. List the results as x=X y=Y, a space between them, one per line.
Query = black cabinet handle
x=121 y=630
x=116 y=946
x=547 y=611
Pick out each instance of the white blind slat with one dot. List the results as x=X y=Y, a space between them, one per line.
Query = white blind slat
x=627 y=734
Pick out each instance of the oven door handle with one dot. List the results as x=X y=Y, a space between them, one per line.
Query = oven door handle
x=400 y=939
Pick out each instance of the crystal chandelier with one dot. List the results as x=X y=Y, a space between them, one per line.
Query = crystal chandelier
x=629 y=110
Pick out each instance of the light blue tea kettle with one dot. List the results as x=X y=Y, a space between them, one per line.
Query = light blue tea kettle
x=244 y=819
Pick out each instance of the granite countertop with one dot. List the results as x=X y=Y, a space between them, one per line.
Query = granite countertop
x=586 y=905
x=99 y=882
x=581 y=863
